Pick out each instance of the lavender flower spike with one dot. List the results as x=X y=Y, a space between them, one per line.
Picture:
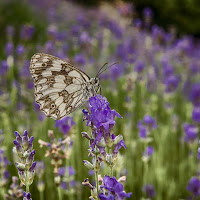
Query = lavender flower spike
x=26 y=166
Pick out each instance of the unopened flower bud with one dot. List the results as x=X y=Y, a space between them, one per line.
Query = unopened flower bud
x=57 y=180
x=88 y=164
x=109 y=159
x=102 y=143
x=32 y=168
x=25 y=140
x=18 y=146
x=20 y=166
x=84 y=134
x=30 y=143
x=118 y=139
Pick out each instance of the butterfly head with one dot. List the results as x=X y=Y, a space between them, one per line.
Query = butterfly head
x=95 y=82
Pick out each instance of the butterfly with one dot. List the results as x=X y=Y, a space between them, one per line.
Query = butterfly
x=60 y=88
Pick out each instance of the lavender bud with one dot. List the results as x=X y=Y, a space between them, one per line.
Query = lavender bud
x=22 y=177
x=18 y=146
x=118 y=139
x=88 y=164
x=57 y=180
x=30 y=178
x=102 y=143
x=32 y=167
x=19 y=139
x=20 y=166
x=27 y=196
x=109 y=159
x=31 y=156
x=25 y=141
x=84 y=134
x=30 y=145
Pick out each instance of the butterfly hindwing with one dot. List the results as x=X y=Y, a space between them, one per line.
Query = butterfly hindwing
x=58 y=85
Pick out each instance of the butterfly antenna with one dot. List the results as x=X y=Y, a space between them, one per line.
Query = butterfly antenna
x=101 y=69
x=99 y=73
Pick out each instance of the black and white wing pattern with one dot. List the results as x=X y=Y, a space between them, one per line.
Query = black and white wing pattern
x=59 y=86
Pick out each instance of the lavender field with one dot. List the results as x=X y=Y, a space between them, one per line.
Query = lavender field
x=138 y=138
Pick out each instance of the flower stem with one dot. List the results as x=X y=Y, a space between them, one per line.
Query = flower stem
x=59 y=193
x=111 y=171
x=27 y=185
x=41 y=196
x=27 y=188
x=97 y=183
x=96 y=176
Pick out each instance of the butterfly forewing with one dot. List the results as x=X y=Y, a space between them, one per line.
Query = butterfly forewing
x=58 y=85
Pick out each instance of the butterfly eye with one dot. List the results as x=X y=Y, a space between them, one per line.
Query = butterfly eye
x=95 y=80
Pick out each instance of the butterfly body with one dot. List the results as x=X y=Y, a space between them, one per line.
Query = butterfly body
x=60 y=88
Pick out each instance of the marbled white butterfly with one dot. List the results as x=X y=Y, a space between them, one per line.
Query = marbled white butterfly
x=60 y=88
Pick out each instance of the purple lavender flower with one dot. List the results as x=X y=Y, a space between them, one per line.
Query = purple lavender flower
x=194 y=186
x=49 y=47
x=27 y=196
x=139 y=66
x=71 y=171
x=191 y=132
x=80 y=59
x=85 y=38
x=138 y=23
x=142 y=132
x=27 y=32
x=195 y=94
x=149 y=190
x=9 y=48
x=75 y=30
x=148 y=152
x=114 y=188
x=63 y=185
x=101 y=114
x=3 y=67
x=65 y=124
x=26 y=166
x=146 y=125
x=171 y=83
x=61 y=171
x=4 y=174
x=196 y=114
x=149 y=121
x=83 y=21
x=116 y=71
x=198 y=154
x=20 y=49
x=112 y=25
x=119 y=143
x=147 y=12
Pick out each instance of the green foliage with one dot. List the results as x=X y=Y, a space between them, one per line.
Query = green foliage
x=183 y=14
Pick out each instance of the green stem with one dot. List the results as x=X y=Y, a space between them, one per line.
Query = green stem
x=27 y=186
x=111 y=171
x=97 y=183
x=96 y=176
x=59 y=193
x=41 y=196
